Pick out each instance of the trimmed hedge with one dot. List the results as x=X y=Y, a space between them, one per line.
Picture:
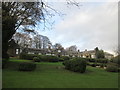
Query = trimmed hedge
x=44 y=58
x=65 y=58
x=97 y=60
x=102 y=60
x=49 y=58
x=76 y=65
x=27 y=56
x=27 y=66
x=112 y=67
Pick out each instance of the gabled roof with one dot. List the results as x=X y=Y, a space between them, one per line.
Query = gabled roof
x=12 y=44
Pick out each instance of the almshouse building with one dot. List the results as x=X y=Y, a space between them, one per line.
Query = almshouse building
x=14 y=50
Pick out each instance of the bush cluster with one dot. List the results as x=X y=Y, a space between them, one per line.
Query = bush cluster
x=76 y=65
x=27 y=66
x=112 y=67
x=38 y=58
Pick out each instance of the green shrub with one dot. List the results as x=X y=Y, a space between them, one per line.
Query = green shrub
x=102 y=65
x=27 y=66
x=76 y=65
x=93 y=65
x=49 y=58
x=90 y=59
x=27 y=56
x=36 y=59
x=61 y=59
x=65 y=57
x=112 y=67
x=52 y=58
x=97 y=60
x=102 y=60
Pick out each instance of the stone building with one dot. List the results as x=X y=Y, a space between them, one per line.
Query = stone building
x=13 y=49
x=91 y=54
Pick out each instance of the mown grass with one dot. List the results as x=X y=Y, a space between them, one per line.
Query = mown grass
x=53 y=75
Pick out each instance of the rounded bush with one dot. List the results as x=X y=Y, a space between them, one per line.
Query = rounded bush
x=76 y=65
x=36 y=59
x=112 y=67
x=27 y=66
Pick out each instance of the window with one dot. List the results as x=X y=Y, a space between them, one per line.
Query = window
x=17 y=51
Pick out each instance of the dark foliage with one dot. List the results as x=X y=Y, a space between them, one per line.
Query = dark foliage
x=102 y=60
x=37 y=59
x=15 y=14
x=61 y=59
x=112 y=67
x=27 y=56
x=49 y=58
x=116 y=60
x=65 y=58
x=27 y=66
x=4 y=62
x=93 y=60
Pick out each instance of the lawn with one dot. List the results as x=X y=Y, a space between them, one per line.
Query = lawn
x=53 y=75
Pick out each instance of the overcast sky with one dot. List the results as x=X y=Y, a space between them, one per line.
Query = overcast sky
x=95 y=24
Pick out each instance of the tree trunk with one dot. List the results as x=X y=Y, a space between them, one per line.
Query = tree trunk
x=8 y=29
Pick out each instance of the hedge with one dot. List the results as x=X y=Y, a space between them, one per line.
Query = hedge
x=101 y=60
x=65 y=57
x=44 y=58
x=27 y=56
x=49 y=58
x=27 y=66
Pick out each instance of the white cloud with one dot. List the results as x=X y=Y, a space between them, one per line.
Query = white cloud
x=95 y=24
